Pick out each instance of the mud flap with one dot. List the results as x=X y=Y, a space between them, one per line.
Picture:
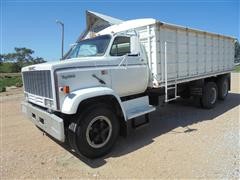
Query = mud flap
x=71 y=136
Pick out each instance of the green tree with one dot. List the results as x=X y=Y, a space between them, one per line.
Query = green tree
x=20 y=55
x=1 y=58
x=38 y=60
x=20 y=58
x=23 y=55
x=237 y=51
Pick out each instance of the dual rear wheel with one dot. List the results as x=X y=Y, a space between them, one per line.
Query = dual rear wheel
x=213 y=91
x=209 y=95
x=223 y=87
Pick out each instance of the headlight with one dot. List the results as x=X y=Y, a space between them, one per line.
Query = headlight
x=48 y=102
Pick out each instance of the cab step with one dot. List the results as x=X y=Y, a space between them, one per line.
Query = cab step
x=137 y=107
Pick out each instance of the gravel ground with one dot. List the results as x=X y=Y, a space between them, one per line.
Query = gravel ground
x=181 y=141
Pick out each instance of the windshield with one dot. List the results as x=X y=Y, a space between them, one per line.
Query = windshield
x=90 y=47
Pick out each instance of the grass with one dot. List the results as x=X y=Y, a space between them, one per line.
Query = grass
x=7 y=67
x=237 y=68
x=8 y=80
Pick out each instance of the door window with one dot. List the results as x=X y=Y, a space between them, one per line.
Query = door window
x=121 y=46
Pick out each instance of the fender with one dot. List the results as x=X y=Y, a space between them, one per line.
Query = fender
x=72 y=100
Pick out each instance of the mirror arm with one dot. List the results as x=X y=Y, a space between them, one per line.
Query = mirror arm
x=124 y=57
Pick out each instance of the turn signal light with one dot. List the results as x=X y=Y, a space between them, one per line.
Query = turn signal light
x=66 y=89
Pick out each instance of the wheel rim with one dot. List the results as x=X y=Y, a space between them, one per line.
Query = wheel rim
x=213 y=95
x=99 y=131
x=225 y=89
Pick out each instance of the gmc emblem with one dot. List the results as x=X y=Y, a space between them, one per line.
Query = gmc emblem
x=31 y=68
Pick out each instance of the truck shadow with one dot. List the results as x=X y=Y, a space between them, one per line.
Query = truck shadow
x=181 y=113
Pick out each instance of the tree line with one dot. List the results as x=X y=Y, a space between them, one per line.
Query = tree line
x=13 y=62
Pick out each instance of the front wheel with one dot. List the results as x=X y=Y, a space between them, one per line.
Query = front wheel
x=96 y=131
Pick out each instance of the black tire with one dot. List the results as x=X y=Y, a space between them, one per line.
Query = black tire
x=223 y=86
x=90 y=131
x=209 y=96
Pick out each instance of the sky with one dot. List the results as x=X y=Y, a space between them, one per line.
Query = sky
x=32 y=23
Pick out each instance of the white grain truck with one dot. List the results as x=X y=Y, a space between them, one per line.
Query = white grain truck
x=111 y=77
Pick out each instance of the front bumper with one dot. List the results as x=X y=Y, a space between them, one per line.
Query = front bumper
x=50 y=123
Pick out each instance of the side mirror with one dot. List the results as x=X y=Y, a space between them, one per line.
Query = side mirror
x=135 y=49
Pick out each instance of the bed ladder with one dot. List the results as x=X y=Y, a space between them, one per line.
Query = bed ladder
x=171 y=86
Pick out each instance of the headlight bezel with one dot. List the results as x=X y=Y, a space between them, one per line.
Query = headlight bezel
x=48 y=103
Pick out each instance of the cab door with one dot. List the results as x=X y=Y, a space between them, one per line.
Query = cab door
x=129 y=72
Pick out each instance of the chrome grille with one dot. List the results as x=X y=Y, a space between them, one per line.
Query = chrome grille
x=38 y=83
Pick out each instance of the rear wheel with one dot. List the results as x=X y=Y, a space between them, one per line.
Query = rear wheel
x=96 y=131
x=185 y=94
x=209 y=96
x=223 y=88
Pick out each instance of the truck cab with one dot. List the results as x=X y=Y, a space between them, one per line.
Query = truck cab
x=97 y=73
x=121 y=57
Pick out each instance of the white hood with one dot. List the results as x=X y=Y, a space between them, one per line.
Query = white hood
x=69 y=63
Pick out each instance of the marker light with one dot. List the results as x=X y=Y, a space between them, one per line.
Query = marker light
x=66 y=89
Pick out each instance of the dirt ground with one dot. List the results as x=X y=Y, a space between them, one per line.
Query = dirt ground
x=181 y=141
